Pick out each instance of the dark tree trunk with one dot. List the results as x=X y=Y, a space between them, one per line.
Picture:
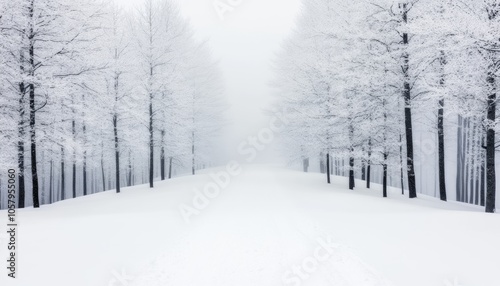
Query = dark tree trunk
x=34 y=171
x=21 y=134
x=85 y=186
x=490 y=146
x=351 y=156
x=63 y=178
x=352 y=182
x=116 y=86
x=162 y=157
x=163 y=165
x=483 y=176
x=328 y=180
x=384 y=177
x=73 y=186
x=441 y=149
x=409 y=143
x=73 y=124
x=363 y=170
x=478 y=171
x=386 y=154
x=412 y=187
x=21 y=179
x=305 y=164
x=117 y=152
x=442 y=169
x=151 y=142
x=20 y=146
x=85 y=191
x=151 y=116
x=369 y=165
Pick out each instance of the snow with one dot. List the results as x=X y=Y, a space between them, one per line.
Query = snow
x=267 y=223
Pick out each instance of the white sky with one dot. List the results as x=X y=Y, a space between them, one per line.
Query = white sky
x=245 y=43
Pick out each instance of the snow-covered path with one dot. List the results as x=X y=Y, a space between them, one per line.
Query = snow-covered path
x=254 y=233
x=270 y=226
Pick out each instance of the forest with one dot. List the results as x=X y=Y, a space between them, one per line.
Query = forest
x=250 y=143
x=93 y=98
x=356 y=77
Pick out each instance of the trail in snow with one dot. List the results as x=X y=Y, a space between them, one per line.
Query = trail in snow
x=254 y=234
x=269 y=227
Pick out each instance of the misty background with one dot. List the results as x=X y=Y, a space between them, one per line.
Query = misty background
x=244 y=42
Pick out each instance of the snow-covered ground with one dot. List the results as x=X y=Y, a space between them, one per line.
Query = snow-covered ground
x=270 y=226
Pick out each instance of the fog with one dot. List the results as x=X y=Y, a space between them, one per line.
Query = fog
x=245 y=41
